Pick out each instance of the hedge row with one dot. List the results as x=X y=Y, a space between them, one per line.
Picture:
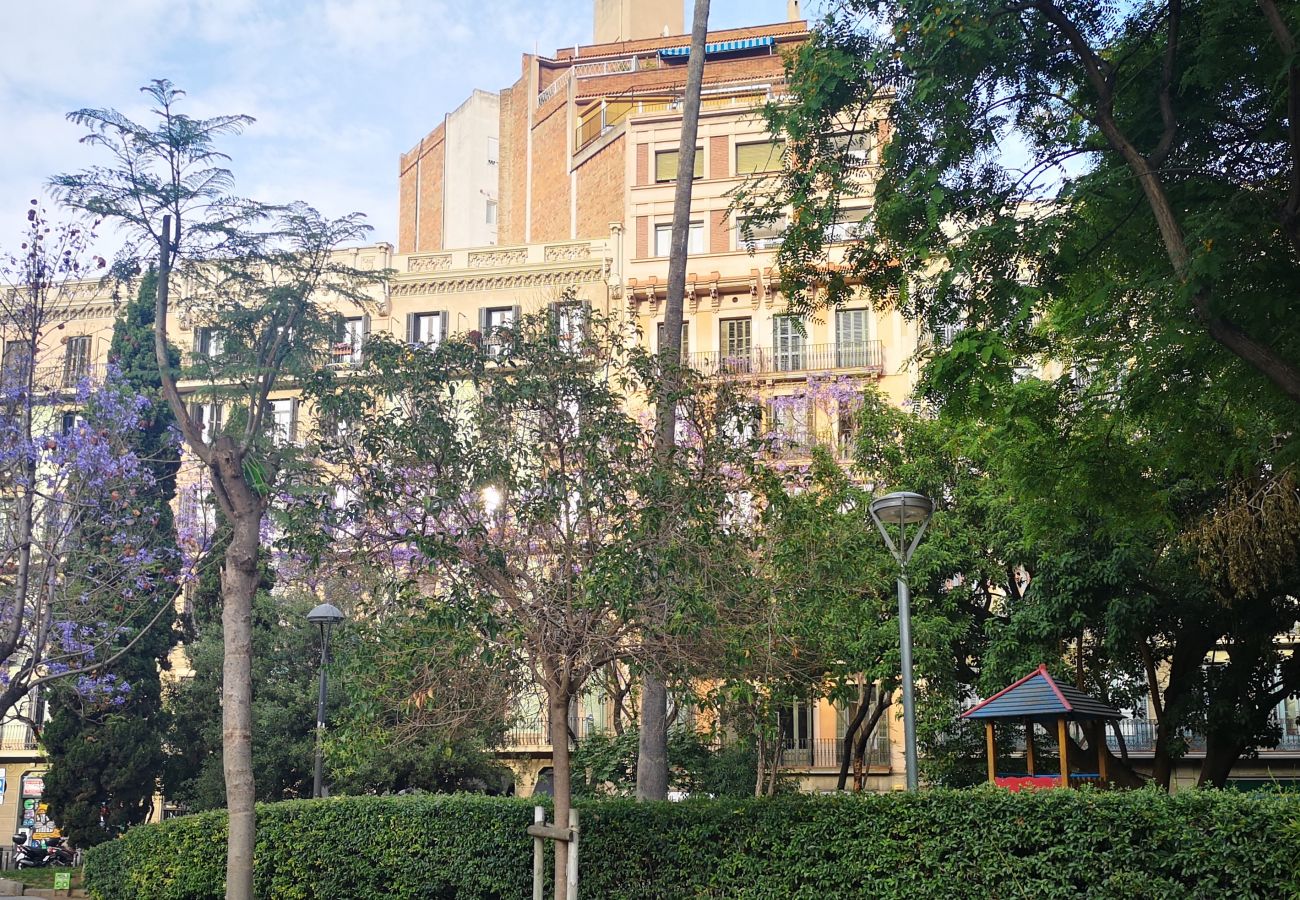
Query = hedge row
x=980 y=843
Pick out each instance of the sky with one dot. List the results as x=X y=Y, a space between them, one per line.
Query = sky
x=339 y=88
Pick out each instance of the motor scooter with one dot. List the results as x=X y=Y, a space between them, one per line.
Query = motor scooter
x=60 y=855
x=29 y=856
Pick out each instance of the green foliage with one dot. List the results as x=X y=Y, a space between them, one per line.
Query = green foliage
x=940 y=844
x=286 y=658
x=605 y=765
x=105 y=757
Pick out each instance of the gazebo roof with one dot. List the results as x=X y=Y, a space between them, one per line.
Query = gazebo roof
x=1040 y=696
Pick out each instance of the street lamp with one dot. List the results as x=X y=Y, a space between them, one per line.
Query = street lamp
x=899 y=511
x=326 y=616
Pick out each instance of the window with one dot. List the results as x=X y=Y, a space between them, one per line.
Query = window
x=787 y=343
x=283 y=419
x=208 y=417
x=16 y=361
x=493 y=151
x=491 y=212
x=855 y=149
x=208 y=343
x=763 y=156
x=664 y=238
x=787 y=419
x=686 y=338
x=736 y=344
x=70 y=422
x=570 y=322
x=666 y=164
x=795 y=722
x=851 y=345
x=426 y=329
x=351 y=338
x=846 y=425
x=497 y=324
x=753 y=235
x=849 y=225
x=76 y=360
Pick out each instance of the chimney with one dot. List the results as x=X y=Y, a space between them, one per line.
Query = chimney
x=793 y=13
x=630 y=20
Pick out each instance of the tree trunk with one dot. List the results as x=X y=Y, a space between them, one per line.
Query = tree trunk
x=761 y=766
x=850 y=732
x=652 y=760
x=883 y=700
x=558 y=708
x=1220 y=756
x=239 y=579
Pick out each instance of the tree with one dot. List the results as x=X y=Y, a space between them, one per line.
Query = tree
x=1137 y=241
x=508 y=487
x=105 y=757
x=652 y=760
x=262 y=275
x=82 y=566
x=1149 y=120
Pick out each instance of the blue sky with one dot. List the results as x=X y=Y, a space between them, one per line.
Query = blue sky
x=339 y=87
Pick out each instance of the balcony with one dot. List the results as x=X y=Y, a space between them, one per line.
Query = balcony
x=62 y=379
x=859 y=356
x=826 y=753
x=1140 y=737
x=17 y=736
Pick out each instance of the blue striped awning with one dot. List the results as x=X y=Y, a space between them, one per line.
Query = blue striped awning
x=720 y=47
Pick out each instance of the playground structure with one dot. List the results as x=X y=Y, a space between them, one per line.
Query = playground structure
x=1039 y=699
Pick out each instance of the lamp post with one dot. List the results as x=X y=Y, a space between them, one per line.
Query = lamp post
x=326 y=616
x=898 y=511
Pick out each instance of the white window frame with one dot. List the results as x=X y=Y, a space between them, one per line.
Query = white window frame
x=664 y=238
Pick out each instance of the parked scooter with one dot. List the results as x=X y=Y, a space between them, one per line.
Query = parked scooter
x=60 y=855
x=29 y=856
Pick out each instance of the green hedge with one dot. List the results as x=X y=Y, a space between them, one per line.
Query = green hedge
x=979 y=843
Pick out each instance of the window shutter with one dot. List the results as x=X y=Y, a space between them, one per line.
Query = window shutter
x=758 y=157
x=365 y=326
x=483 y=321
x=293 y=421
x=410 y=328
x=444 y=325
x=217 y=411
x=666 y=165
x=198 y=342
x=553 y=312
x=516 y=314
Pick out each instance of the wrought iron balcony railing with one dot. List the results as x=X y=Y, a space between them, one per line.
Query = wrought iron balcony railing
x=866 y=356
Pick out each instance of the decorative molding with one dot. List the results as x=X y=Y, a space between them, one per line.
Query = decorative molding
x=505 y=281
x=435 y=263
x=566 y=252
x=492 y=259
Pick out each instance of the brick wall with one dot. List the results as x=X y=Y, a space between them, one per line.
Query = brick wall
x=719 y=164
x=512 y=187
x=642 y=237
x=420 y=194
x=550 y=175
x=600 y=189
x=431 y=195
x=719 y=233
x=642 y=164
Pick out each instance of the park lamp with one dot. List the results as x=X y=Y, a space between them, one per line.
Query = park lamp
x=900 y=511
x=326 y=615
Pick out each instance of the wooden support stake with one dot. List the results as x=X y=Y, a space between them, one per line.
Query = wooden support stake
x=539 y=855
x=1065 y=760
x=571 y=872
x=993 y=751
x=1029 y=745
x=1099 y=735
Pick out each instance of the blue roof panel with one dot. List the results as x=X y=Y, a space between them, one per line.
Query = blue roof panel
x=721 y=47
x=1040 y=695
